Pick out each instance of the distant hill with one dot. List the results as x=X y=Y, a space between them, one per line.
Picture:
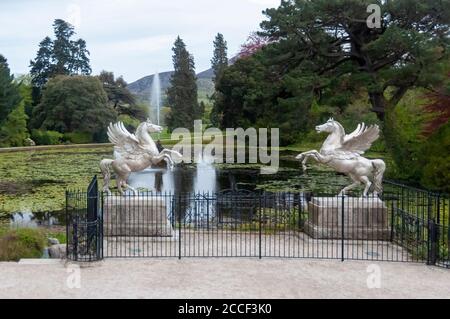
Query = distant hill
x=205 y=84
x=208 y=74
x=143 y=86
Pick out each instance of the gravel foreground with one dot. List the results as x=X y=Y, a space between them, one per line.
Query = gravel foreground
x=222 y=278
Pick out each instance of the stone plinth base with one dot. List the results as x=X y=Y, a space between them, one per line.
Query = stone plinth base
x=364 y=218
x=130 y=216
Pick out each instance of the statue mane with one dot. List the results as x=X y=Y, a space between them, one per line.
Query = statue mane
x=140 y=131
x=341 y=130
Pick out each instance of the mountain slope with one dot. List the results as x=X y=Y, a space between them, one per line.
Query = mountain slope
x=142 y=87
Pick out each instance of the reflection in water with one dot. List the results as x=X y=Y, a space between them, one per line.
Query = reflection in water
x=30 y=220
x=153 y=179
x=205 y=177
x=25 y=219
x=202 y=179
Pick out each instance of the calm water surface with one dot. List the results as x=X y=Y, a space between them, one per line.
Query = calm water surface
x=208 y=177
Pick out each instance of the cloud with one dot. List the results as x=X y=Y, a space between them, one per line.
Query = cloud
x=74 y=15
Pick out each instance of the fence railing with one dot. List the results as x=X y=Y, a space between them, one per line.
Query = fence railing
x=422 y=220
x=404 y=224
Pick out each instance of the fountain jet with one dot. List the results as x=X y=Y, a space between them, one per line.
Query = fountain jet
x=155 y=97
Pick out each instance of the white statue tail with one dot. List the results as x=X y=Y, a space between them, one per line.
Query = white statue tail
x=104 y=167
x=379 y=168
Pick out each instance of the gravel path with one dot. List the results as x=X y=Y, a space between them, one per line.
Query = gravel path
x=222 y=278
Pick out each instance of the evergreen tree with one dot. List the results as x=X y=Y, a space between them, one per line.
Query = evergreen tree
x=182 y=95
x=9 y=91
x=14 y=131
x=220 y=59
x=41 y=67
x=63 y=48
x=63 y=56
x=118 y=94
x=120 y=98
x=26 y=92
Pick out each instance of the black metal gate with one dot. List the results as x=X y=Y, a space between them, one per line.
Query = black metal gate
x=84 y=228
x=408 y=225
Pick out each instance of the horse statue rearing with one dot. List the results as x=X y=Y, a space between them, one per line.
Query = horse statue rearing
x=133 y=153
x=343 y=153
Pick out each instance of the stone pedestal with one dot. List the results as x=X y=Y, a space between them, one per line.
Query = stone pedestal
x=364 y=218
x=131 y=216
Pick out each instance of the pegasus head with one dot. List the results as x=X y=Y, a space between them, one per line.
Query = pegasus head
x=152 y=128
x=328 y=127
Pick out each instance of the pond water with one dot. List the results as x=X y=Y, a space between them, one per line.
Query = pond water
x=187 y=178
x=209 y=178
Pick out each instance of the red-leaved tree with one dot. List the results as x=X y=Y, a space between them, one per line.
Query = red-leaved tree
x=254 y=43
x=439 y=106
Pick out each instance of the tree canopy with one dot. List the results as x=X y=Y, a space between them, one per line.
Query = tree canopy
x=323 y=53
x=74 y=103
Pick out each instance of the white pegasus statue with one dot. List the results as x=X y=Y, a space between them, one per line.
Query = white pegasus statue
x=136 y=152
x=343 y=153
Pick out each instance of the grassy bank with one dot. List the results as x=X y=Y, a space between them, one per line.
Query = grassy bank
x=21 y=243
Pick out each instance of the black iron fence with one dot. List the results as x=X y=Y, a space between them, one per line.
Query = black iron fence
x=404 y=224
x=421 y=222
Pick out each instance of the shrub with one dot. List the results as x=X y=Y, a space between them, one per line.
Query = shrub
x=21 y=243
x=78 y=137
x=435 y=160
x=402 y=132
x=61 y=236
x=42 y=137
x=14 y=130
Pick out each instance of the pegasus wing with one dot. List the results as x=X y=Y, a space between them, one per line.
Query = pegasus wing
x=125 y=143
x=361 y=139
x=359 y=129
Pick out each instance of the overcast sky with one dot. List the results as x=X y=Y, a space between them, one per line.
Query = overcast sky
x=133 y=38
